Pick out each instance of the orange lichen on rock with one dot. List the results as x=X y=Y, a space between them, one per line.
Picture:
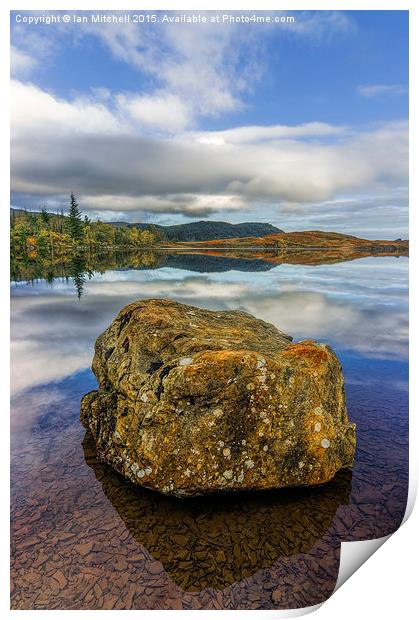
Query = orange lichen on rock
x=192 y=401
x=309 y=351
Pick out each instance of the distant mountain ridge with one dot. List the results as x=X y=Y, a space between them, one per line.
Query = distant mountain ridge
x=206 y=230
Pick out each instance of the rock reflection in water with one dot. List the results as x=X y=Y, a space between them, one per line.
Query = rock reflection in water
x=212 y=542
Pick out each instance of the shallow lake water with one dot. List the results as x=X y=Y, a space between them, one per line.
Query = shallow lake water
x=84 y=538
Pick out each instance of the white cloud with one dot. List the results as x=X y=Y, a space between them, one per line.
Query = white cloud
x=33 y=47
x=190 y=71
x=205 y=66
x=322 y=25
x=159 y=111
x=370 y=91
x=84 y=146
x=261 y=133
x=35 y=110
x=21 y=64
x=194 y=71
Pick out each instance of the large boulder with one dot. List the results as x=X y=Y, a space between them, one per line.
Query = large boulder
x=192 y=401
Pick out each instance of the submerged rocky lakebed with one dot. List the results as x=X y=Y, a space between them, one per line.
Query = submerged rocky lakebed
x=84 y=537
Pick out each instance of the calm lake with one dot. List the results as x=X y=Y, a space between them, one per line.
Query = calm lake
x=84 y=538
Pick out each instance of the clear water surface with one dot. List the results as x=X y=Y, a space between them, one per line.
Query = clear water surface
x=84 y=538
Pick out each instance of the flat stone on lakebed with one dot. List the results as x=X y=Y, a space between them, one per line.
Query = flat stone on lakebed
x=193 y=401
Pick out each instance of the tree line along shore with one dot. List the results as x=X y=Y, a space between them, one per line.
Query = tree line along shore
x=42 y=234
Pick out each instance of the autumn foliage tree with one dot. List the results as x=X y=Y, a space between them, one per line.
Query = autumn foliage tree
x=44 y=234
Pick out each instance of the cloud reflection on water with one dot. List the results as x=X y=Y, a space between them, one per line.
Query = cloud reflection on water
x=359 y=306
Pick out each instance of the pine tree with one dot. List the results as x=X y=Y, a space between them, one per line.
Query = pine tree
x=74 y=221
x=45 y=217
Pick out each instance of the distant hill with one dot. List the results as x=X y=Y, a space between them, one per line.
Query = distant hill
x=205 y=230
x=21 y=212
x=300 y=240
x=309 y=247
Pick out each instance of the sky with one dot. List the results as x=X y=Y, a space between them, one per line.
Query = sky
x=299 y=123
